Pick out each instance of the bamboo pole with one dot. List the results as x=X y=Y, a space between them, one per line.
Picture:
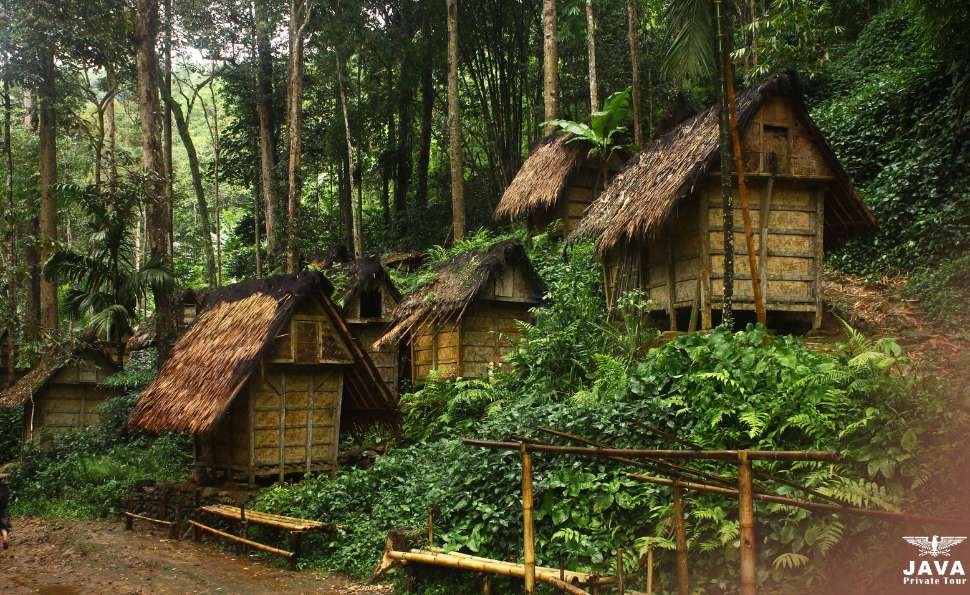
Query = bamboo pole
x=133 y=516
x=814 y=506
x=460 y=563
x=758 y=474
x=529 y=565
x=749 y=555
x=683 y=580
x=759 y=304
x=620 y=586
x=570 y=576
x=657 y=466
x=649 y=570
x=252 y=544
x=765 y=455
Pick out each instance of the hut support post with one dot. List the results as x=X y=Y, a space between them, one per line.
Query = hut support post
x=683 y=580
x=749 y=562
x=819 y=255
x=620 y=586
x=704 y=229
x=529 y=561
x=671 y=282
x=649 y=570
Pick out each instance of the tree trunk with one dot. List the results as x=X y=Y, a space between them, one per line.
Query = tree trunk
x=454 y=127
x=158 y=219
x=390 y=149
x=550 y=63
x=753 y=60
x=11 y=221
x=112 y=133
x=294 y=97
x=723 y=46
x=355 y=214
x=256 y=247
x=633 y=26
x=267 y=145
x=346 y=203
x=427 y=115
x=47 y=133
x=205 y=226
x=403 y=178
x=167 y=131
x=594 y=96
x=216 y=155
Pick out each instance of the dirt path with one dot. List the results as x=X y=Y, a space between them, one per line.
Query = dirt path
x=68 y=557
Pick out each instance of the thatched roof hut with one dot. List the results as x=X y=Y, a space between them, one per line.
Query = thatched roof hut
x=265 y=378
x=557 y=181
x=464 y=318
x=648 y=219
x=367 y=304
x=64 y=389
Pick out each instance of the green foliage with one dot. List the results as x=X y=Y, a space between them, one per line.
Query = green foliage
x=894 y=112
x=11 y=426
x=603 y=128
x=943 y=290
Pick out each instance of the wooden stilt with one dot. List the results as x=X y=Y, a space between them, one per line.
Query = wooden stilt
x=683 y=581
x=529 y=560
x=749 y=562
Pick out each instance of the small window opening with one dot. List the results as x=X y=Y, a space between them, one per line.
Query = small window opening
x=371 y=304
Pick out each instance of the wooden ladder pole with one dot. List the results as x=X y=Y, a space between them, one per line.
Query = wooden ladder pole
x=529 y=561
x=683 y=579
x=749 y=562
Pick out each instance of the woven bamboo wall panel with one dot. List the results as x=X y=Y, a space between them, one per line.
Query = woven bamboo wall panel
x=686 y=290
x=447 y=338
x=424 y=356
x=423 y=340
x=447 y=355
x=788 y=196
x=267 y=400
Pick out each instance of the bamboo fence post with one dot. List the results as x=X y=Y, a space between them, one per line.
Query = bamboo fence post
x=243 y=527
x=486 y=584
x=529 y=561
x=683 y=580
x=619 y=571
x=431 y=526
x=649 y=570
x=749 y=562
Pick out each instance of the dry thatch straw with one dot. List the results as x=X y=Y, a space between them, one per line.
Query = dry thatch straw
x=639 y=200
x=542 y=178
x=215 y=357
x=455 y=284
x=49 y=365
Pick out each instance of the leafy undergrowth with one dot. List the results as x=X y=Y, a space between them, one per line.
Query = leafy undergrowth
x=577 y=373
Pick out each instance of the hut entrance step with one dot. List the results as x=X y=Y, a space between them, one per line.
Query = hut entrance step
x=293 y=526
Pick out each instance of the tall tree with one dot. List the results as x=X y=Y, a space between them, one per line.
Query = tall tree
x=47 y=146
x=299 y=18
x=594 y=97
x=158 y=218
x=195 y=170
x=355 y=214
x=550 y=63
x=427 y=115
x=454 y=127
x=721 y=20
x=11 y=224
x=267 y=144
x=167 y=128
x=633 y=26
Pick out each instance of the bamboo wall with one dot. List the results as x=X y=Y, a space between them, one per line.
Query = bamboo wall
x=285 y=421
x=487 y=331
x=69 y=400
x=787 y=181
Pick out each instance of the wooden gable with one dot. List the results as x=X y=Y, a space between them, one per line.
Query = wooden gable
x=310 y=337
x=513 y=284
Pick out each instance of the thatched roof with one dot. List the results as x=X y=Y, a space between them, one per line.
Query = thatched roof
x=542 y=177
x=405 y=261
x=235 y=331
x=48 y=366
x=367 y=274
x=642 y=196
x=454 y=286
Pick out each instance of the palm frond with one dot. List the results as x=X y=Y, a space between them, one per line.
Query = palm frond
x=692 y=38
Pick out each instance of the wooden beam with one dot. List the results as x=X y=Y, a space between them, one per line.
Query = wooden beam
x=705 y=258
x=749 y=559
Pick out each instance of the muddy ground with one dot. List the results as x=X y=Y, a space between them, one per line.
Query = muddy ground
x=68 y=557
